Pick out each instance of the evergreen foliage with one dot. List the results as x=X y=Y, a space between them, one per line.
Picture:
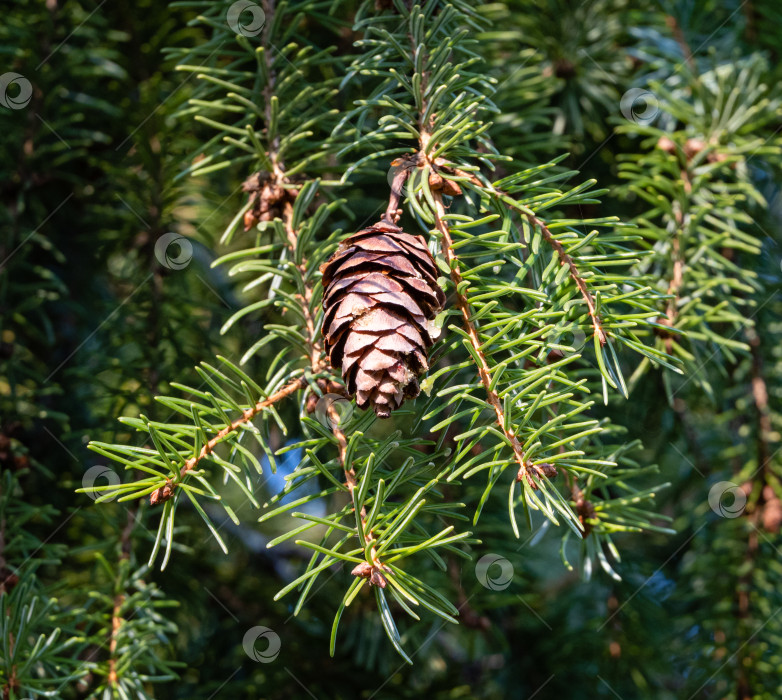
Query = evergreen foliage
x=585 y=498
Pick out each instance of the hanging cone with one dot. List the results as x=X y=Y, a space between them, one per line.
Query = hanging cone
x=380 y=297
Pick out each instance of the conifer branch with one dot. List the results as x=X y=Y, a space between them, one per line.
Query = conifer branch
x=276 y=190
x=564 y=259
x=116 y=624
x=372 y=571
x=677 y=275
x=167 y=490
x=526 y=468
x=117 y=619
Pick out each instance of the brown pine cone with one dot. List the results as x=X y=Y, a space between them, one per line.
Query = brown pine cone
x=380 y=297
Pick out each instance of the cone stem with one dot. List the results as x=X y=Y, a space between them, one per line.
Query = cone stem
x=393 y=212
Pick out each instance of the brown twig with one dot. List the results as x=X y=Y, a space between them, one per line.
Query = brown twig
x=766 y=511
x=374 y=570
x=527 y=469
x=305 y=299
x=167 y=490
x=565 y=259
x=279 y=181
x=677 y=276
x=119 y=599
x=268 y=89
x=393 y=212
x=116 y=624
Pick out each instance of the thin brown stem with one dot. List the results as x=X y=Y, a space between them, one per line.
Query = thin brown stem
x=526 y=468
x=116 y=624
x=767 y=511
x=167 y=490
x=268 y=89
x=119 y=598
x=576 y=276
x=677 y=275
x=374 y=570
x=305 y=299
x=393 y=212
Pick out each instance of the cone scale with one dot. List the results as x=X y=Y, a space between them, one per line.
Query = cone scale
x=380 y=299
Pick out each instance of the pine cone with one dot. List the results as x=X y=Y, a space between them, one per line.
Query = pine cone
x=380 y=297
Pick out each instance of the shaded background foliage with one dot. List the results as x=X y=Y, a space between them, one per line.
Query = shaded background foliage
x=93 y=327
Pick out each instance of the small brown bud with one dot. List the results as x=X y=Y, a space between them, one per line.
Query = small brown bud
x=584 y=509
x=693 y=146
x=436 y=181
x=364 y=570
x=336 y=388
x=162 y=494
x=666 y=144
x=373 y=573
x=540 y=470
x=250 y=219
x=564 y=68
x=451 y=188
x=377 y=579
